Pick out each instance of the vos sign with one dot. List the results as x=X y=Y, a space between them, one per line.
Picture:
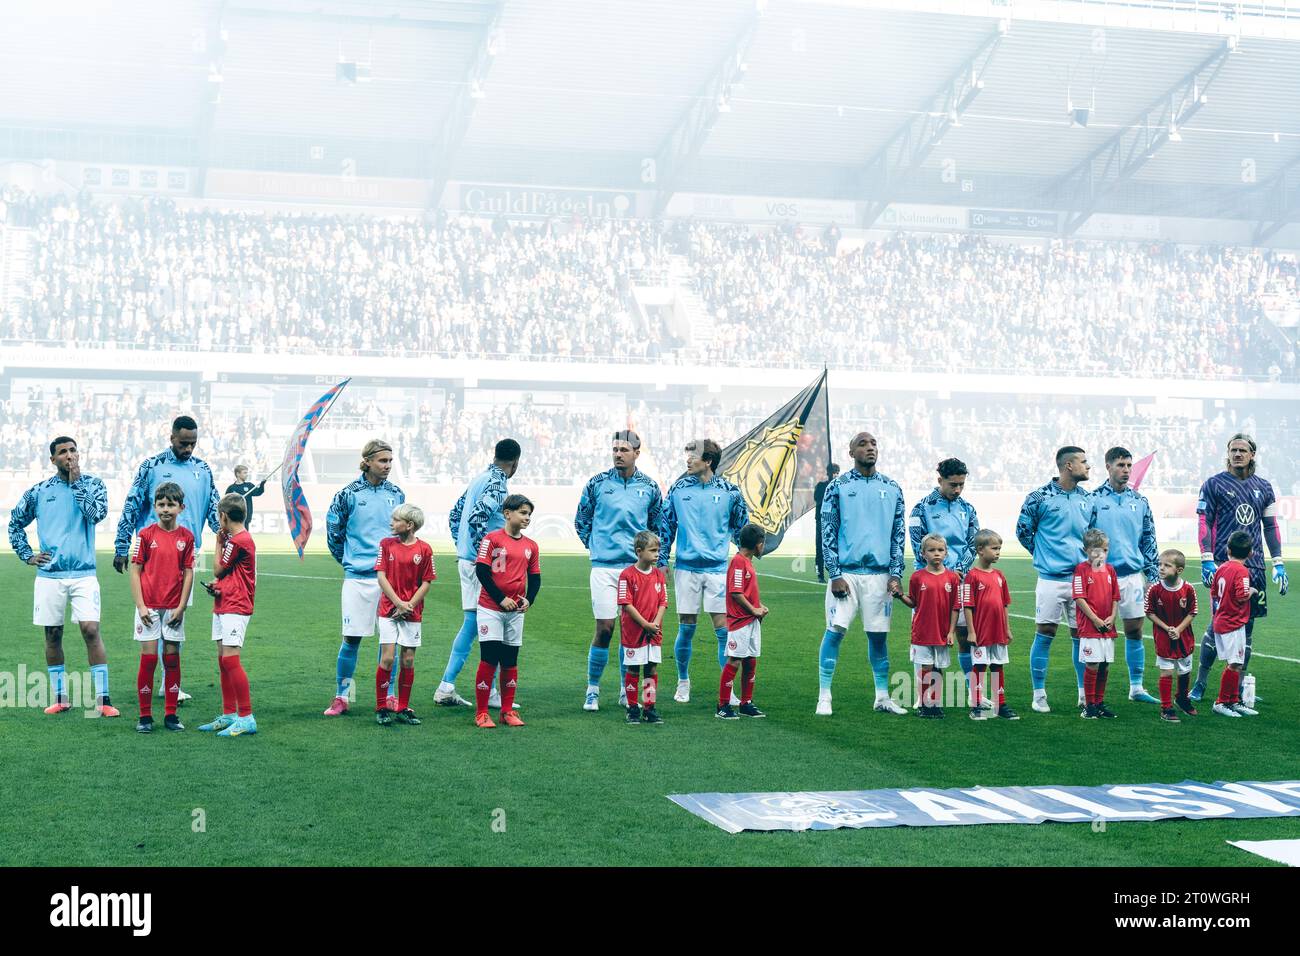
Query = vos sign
x=924 y=807
x=761 y=209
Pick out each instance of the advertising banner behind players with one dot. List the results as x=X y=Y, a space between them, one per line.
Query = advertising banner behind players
x=777 y=464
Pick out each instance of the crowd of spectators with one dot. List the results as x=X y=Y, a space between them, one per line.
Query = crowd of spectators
x=146 y=273
x=1007 y=444
x=967 y=304
x=115 y=433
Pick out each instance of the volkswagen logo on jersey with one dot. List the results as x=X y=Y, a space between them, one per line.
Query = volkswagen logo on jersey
x=1244 y=514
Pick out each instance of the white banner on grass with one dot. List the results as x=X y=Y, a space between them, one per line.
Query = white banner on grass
x=925 y=807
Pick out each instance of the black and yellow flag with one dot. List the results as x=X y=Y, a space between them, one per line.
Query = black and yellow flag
x=777 y=464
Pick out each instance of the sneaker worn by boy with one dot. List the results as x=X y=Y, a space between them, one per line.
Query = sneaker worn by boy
x=219 y=723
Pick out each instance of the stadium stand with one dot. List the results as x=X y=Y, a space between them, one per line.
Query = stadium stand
x=146 y=274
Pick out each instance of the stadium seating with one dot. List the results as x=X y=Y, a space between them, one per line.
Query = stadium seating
x=144 y=273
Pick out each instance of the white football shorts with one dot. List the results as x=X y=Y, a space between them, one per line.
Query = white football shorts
x=51 y=597
x=470 y=588
x=504 y=626
x=1231 y=646
x=604 y=593
x=868 y=595
x=931 y=655
x=1054 y=602
x=1097 y=650
x=1132 y=597
x=746 y=641
x=161 y=629
x=402 y=633
x=645 y=654
x=230 y=629
x=360 y=606
x=1181 y=664
x=989 y=654
x=692 y=587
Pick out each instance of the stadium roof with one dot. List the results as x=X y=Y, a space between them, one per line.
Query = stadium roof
x=775 y=98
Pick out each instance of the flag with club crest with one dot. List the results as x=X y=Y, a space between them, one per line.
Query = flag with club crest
x=295 y=501
x=777 y=464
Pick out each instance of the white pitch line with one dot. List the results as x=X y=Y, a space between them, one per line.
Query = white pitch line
x=783 y=577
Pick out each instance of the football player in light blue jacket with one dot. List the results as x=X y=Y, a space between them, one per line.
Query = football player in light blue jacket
x=615 y=506
x=703 y=513
x=1125 y=517
x=862 y=545
x=946 y=513
x=66 y=509
x=1050 y=527
x=358 y=520
x=477 y=512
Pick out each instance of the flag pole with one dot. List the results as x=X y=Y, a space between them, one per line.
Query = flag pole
x=318 y=421
x=826 y=395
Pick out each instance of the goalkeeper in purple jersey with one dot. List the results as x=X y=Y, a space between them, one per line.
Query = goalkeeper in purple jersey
x=1238 y=500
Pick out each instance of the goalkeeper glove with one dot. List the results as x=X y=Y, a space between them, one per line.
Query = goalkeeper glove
x=1208 y=567
x=1279 y=576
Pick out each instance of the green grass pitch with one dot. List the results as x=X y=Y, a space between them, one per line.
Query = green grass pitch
x=579 y=788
